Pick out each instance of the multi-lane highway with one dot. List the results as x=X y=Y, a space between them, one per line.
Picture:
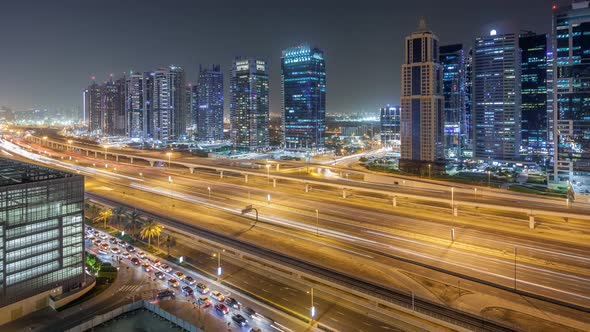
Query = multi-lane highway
x=482 y=249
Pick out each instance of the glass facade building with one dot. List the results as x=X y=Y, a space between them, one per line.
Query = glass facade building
x=533 y=78
x=422 y=116
x=303 y=75
x=390 y=122
x=571 y=99
x=452 y=60
x=41 y=230
x=496 y=97
x=168 y=104
x=249 y=107
x=134 y=105
x=209 y=103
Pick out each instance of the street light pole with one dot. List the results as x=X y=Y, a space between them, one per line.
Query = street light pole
x=169 y=154
x=312 y=306
x=317 y=222
x=489 y=175
x=106 y=151
x=209 y=189
x=267 y=173
x=170 y=182
x=218 y=265
x=429 y=167
x=268 y=198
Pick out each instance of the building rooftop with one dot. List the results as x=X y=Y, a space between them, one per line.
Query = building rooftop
x=14 y=172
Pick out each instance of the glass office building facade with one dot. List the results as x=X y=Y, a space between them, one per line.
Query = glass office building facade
x=533 y=82
x=496 y=97
x=209 y=103
x=41 y=230
x=249 y=104
x=390 y=122
x=571 y=61
x=452 y=60
x=304 y=97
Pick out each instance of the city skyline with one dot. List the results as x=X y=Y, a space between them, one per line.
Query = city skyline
x=376 y=35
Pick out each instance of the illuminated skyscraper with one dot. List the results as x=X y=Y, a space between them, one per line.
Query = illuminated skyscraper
x=42 y=222
x=533 y=77
x=209 y=103
x=422 y=116
x=249 y=108
x=92 y=108
x=168 y=104
x=135 y=106
x=390 y=122
x=571 y=46
x=452 y=60
x=303 y=77
x=496 y=97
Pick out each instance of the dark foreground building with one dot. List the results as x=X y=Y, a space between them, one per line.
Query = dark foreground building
x=41 y=236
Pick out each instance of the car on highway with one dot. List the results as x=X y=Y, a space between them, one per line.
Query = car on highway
x=103 y=236
x=135 y=261
x=232 y=303
x=146 y=267
x=173 y=282
x=190 y=280
x=255 y=329
x=126 y=255
x=140 y=254
x=160 y=275
x=186 y=290
x=88 y=228
x=102 y=251
x=221 y=308
x=104 y=246
x=113 y=240
x=166 y=268
x=249 y=311
x=122 y=243
x=97 y=241
x=179 y=275
x=217 y=295
x=202 y=288
x=240 y=320
x=155 y=262
x=204 y=300
x=130 y=249
x=115 y=250
x=165 y=294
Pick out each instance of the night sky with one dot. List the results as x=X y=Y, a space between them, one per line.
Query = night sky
x=49 y=49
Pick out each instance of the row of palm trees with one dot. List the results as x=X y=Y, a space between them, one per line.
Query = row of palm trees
x=127 y=220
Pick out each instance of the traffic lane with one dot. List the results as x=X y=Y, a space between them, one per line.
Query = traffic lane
x=162 y=284
x=478 y=271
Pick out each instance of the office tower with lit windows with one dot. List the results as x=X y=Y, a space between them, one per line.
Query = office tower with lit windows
x=168 y=104
x=249 y=108
x=148 y=99
x=390 y=123
x=135 y=106
x=496 y=97
x=41 y=234
x=303 y=75
x=422 y=109
x=467 y=136
x=452 y=60
x=533 y=85
x=113 y=106
x=209 y=103
x=92 y=107
x=571 y=61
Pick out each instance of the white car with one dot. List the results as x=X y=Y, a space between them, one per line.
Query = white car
x=166 y=268
x=115 y=250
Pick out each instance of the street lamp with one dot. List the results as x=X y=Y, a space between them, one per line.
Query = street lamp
x=209 y=189
x=312 y=305
x=267 y=173
x=170 y=182
x=317 y=222
x=106 y=147
x=268 y=198
x=489 y=175
x=219 y=265
x=429 y=167
x=169 y=154
x=475 y=193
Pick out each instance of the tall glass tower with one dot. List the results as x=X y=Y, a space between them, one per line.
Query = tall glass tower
x=452 y=59
x=249 y=108
x=422 y=117
x=496 y=97
x=533 y=77
x=304 y=97
x=134 y=105
x=209 y=103
x=571 y=46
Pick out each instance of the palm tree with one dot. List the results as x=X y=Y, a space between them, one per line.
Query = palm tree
x=119 y=212
x=133 y=222
x=104 y=216
x=91 y=209
x=150 y=229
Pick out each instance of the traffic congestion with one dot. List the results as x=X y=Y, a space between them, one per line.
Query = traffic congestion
x=178 y=283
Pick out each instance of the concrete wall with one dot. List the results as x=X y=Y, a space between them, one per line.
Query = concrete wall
x=24 y=307
x=59 y=302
